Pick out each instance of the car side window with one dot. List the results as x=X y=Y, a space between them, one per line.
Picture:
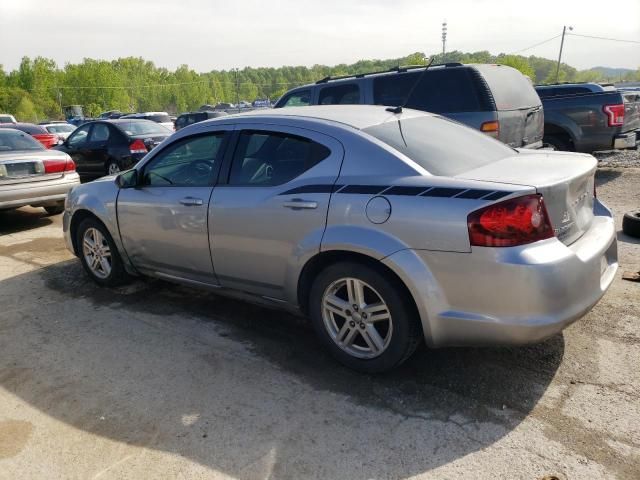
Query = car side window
x=100 y=133
x=298 y=99
x=79 y=136
x=348 y=94
x=272 y=158
x=192 y=161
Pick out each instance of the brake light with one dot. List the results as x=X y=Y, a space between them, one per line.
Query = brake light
x=513 y=222
x=138 y=146
x=59 y=165
x=491 y=128
x=615 y=114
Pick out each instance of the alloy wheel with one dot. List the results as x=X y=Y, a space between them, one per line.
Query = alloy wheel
x=357 y=318
x=97 y=253
x=113 y=168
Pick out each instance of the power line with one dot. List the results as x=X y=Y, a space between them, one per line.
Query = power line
x=133 y=87
x=603 y=38
x=535 y=45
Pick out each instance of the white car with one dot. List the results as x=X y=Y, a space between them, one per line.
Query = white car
x=162 y=118
x=62 y=130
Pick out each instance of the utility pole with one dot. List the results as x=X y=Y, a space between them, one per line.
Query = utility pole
x=564 y=30
x=444 y=39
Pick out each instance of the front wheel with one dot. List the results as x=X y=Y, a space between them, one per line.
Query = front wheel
x=363 y=318
x=99 y=254
x=113 y=168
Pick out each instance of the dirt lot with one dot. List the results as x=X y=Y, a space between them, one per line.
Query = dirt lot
x=157 y=381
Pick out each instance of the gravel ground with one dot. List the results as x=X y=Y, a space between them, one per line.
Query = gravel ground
x=618 y=158
x=159 y=381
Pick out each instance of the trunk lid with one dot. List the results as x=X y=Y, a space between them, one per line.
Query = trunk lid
x=565 y=180
x=25 y=166
x=631 y=101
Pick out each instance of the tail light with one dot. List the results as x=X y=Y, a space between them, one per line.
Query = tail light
x=615 y=114
x=491 y=128
x=138 y=146
x=59 y=165
x=513 y=222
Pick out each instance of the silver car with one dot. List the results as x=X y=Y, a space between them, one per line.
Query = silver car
x=32 y=175
x=384 y=228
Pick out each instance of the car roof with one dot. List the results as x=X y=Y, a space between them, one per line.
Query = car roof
x=356 y=116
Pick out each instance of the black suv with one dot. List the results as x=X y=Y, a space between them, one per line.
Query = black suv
x=195 y=117
x=494 y=99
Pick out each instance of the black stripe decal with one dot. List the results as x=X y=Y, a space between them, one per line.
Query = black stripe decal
x=400 y=190
x=496 y=195
x=309 y=189
x=474 y=194
x=364 y=189
x=442 y=192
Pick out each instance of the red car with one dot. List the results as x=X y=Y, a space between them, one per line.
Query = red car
x=36 y=131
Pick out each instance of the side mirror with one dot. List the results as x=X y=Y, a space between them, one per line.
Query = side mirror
x=128 y=179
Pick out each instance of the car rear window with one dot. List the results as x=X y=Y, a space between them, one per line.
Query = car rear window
x=511 y=89
x=158 y=118
x=12 y=140
x=143 y=127
x=439 y=145
x=446 y=90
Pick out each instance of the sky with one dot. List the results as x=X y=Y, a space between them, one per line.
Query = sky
x=214 y=34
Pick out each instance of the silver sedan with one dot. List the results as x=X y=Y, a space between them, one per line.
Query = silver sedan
x=32 y=175
x=385 y=227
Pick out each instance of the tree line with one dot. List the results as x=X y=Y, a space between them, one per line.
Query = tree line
x=38 y=88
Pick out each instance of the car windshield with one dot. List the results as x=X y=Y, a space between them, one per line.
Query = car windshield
x=439 y=145
x=14 y=140
x=143 y=127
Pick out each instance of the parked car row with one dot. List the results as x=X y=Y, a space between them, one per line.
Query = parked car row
x=495 y=99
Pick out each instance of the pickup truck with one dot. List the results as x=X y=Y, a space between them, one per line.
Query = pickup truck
x=587 y=117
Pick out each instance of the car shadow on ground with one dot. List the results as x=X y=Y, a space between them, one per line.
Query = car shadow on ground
x=604 y=176
x=247 y=390
x=13 y=221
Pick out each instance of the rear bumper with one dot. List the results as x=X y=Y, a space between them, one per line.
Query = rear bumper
x=42 y=193
x=503 y=296
x=625 y=140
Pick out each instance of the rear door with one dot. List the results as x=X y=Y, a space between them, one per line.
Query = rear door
x=163 y=222
x=273 y=205
x=98 y=149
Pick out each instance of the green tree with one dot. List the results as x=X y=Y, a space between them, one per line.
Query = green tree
x=25 y=110
x=519 y=63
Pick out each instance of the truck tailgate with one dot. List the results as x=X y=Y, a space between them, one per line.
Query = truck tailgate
x=631 y=110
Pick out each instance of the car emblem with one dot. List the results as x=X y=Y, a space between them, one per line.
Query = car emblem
x=566 y=217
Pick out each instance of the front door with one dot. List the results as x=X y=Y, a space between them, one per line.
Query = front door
x=272 y=207
x=163 y=222
x=77 y=146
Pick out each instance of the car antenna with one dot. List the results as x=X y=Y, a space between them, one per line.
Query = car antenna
x=399 y=108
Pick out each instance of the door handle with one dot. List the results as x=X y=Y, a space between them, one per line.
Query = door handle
x=191 y=201
x=299 y=204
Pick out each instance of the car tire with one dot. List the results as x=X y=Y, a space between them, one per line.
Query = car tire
x=56 y=209
x=558 y=142
x=631 y=224
x=110 y=274
x=112 y=168
x=349 y=335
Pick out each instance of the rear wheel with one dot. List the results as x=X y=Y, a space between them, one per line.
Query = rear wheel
x=558 y=142
x=365 y=321
x=55 y=209
x=99 y=254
